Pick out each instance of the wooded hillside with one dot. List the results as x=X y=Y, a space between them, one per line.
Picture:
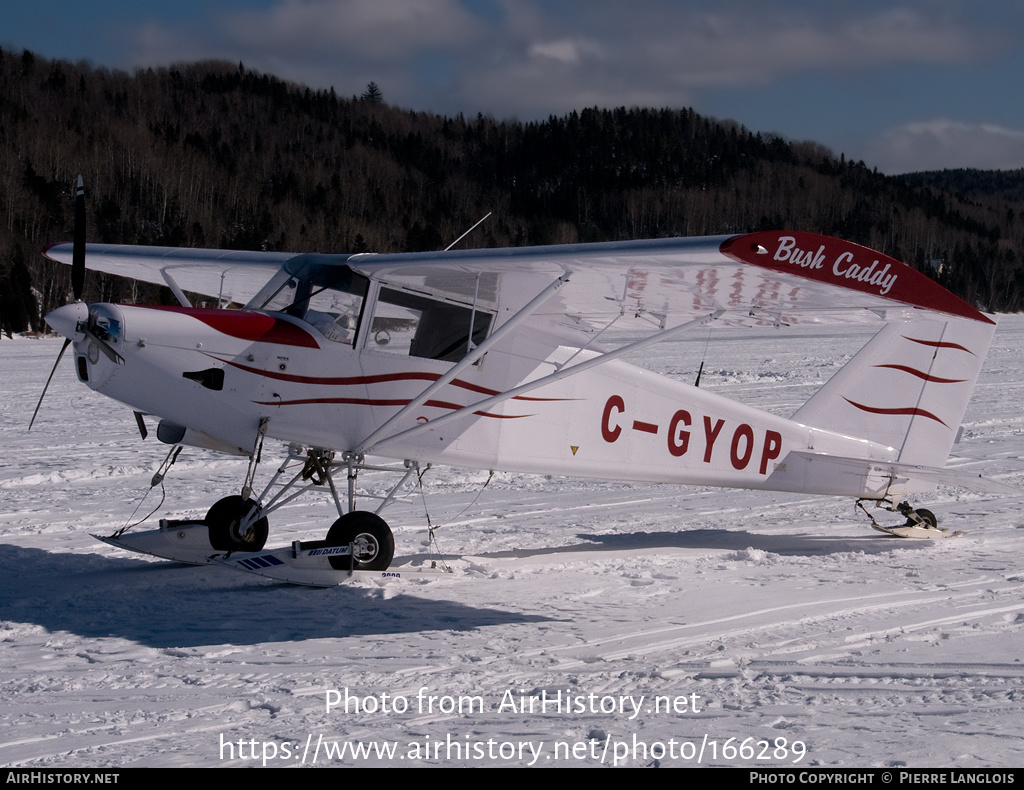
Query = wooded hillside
x=216 y=155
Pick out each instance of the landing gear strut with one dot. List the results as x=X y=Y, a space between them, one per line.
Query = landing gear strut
x=234 y=531
x=370 y=536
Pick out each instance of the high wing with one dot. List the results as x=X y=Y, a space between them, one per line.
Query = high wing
x=757 y=278
x=767 y=277
x=225 y=275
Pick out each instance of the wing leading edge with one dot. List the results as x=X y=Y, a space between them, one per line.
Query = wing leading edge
x=228 y=275
x=758 y=278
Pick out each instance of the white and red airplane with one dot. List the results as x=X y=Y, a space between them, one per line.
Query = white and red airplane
x=494 y=359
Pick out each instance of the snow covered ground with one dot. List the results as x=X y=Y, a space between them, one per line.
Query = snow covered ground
x=681 y=626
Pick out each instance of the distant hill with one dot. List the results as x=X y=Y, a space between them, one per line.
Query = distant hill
x=1006 y=184
x=217 y=155
x=1001 y=184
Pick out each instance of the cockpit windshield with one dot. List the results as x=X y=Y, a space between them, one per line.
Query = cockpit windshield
x=329 y=296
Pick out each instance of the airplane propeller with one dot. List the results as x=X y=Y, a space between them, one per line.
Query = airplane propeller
x=74 y=318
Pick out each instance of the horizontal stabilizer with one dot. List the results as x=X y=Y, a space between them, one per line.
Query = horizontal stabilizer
x=839 y=476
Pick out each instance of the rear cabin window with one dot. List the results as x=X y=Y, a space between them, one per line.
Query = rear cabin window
x=416 y=325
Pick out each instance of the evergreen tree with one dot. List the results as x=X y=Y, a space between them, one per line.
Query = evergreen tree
x=372 y=95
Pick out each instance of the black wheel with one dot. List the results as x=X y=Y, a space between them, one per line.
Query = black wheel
x=374 y=545
x=224 y=523
x=927 y=518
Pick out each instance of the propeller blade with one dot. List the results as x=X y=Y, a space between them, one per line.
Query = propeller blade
x=78 y=248
x=68 y=317
x=67 y=342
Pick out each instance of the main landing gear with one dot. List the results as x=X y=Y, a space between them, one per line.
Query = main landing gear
x=232 y=527
x=920 y=524
x=372 y=543
x=235 y=529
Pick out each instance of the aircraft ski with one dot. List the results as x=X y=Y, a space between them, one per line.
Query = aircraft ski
x=498 y=359
x=919 y=532
x=921 y=524
x=313 y=564
x=180 y=541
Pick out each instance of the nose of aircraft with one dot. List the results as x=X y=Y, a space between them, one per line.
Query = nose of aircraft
x=65 y=319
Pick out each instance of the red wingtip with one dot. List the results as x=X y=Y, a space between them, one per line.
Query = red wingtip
x=846 y=265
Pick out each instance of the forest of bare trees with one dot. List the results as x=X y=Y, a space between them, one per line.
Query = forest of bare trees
x=216 y=155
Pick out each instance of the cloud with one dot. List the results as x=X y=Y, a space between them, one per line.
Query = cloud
x=762 y=45
x=348 y=28
x=400 y=45
x=533 y=57
x=943 y=144
x=565 y=50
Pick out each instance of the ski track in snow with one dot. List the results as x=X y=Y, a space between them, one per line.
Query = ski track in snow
x=785 y=615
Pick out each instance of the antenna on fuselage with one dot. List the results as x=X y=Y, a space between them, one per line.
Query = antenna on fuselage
x=700 y=371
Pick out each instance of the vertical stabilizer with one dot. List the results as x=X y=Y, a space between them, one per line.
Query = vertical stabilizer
x=908 y=388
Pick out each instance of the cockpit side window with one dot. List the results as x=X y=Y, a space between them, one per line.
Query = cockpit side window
x=413 y=324
x=333 y=306
x=276 y=295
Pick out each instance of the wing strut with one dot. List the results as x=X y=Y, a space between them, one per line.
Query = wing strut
x=498 y=335
x=370 y=445
x=176 y=289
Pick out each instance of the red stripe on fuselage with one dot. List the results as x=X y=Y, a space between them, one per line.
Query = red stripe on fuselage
x=383 y=402
x=382 y=378
x=246 y=325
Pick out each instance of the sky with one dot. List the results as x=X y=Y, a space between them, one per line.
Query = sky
x=917 y=85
